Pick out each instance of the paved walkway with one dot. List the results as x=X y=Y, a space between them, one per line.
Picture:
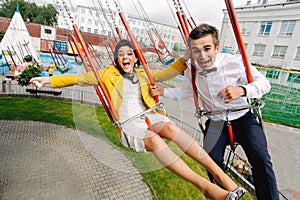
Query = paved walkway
x=41 y=161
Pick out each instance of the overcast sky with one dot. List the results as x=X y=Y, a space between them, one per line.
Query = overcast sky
x=209 y=11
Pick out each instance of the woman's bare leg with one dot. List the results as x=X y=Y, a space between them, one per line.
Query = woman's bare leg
x=171 y=161
x=195 y=151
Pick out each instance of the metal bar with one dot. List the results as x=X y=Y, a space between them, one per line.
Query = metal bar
x=183 y=26
x=72 y=48
x=154 y=46
x=161 y=40
x=119 y=33
x=11 y=57
x=103 y=89
x=139 y=52
x=112 y=60
x=80 y=53
x=16 y=53
x=160 y=105
x=55 y=61
x=239 y=39
x=94 y=55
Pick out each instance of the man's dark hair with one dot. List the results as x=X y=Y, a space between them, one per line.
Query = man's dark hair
x=203 y=30
x=120 y=44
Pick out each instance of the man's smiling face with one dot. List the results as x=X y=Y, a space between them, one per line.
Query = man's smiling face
x=203 y=51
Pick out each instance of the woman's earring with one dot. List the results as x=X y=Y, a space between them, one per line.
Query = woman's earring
x=136 y=65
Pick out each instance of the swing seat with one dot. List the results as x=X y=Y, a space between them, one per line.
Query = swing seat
x=159 y=107
x=62 y=69
x=166 y=63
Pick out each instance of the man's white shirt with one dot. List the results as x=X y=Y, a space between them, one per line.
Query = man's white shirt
x=230 y=72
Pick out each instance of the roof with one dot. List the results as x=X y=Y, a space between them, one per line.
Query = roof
x=33 y=28
x=263 y=3
x=35 y=31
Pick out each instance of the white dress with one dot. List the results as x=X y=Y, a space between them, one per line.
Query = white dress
x=132 y=104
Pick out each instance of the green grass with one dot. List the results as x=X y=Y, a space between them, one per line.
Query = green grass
x=93 y=120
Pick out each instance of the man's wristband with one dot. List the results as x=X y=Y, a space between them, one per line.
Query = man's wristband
x=245 y=91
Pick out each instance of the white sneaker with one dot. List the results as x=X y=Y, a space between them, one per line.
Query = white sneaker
x=232 y=196
x=239 y=192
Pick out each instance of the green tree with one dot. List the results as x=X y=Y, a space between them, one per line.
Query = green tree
x=46 y=15
x=2 y=33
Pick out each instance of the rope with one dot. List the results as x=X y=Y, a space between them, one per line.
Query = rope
x=189 y=14
x=151 y=27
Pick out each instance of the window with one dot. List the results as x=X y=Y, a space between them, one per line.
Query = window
x=259 y=49
x=297 y=57
x=238 y=50
x=47 y=31
x=279 y=51
x=287 y=27
x=273 y=74
x=96 y=31
x=96 y=22
x=81 y=28
x=265 y=28
x=89 y=30
x=82 y=19
x=89 y=21
x=245 y=28
x=82 y=10
x=295 y=78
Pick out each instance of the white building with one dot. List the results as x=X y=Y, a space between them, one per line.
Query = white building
x=140 y=27
x=270 y=32
x=103 y=22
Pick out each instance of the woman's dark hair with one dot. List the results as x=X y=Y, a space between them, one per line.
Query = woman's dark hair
x=203 y=30
x=120 y=44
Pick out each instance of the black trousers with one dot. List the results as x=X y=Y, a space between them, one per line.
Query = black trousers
x=249 y=134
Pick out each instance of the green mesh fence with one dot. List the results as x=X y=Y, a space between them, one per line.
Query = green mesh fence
x=282 y=103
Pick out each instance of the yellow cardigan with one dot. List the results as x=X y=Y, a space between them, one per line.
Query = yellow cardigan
x=112 y=79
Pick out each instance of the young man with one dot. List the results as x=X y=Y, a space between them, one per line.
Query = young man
x=221 y=81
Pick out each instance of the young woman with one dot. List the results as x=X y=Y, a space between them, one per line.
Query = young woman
x=128 y=87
